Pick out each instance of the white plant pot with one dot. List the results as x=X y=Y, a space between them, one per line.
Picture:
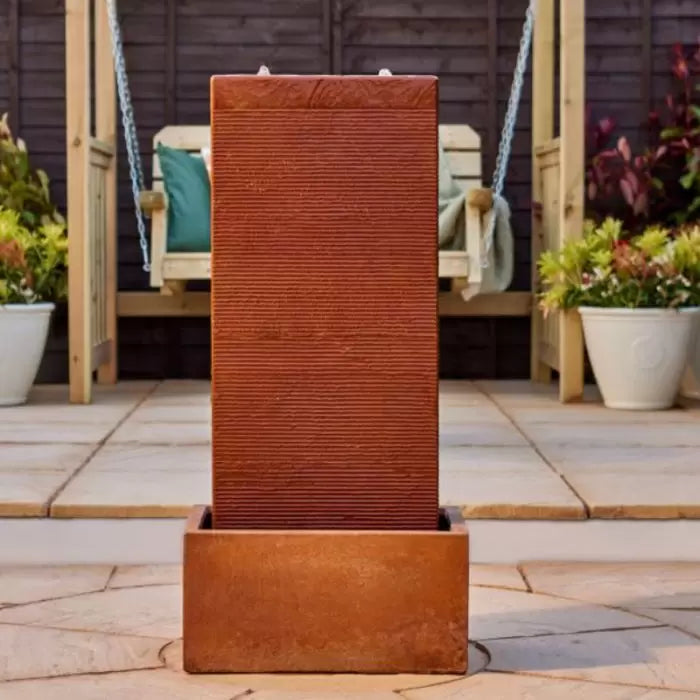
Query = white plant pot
x=24 y=329
x=638 y=355
x=690 y=385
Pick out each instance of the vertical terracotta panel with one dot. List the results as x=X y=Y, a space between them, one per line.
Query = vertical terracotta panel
x=324 y=309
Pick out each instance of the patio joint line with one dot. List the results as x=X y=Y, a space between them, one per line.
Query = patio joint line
x=532 y=674
x=110 y=577
x=62 y=487
x=534 y=446
x=659 y=625
x=84 y=673
x=82 y=630
x=523 y=576
x=78 y=595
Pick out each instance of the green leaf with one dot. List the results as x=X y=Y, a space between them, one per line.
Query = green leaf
x=694 y=205
x=672 y=132
x=687 y=180
x=695 y=110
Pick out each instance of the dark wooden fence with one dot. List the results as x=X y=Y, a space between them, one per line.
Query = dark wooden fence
x=173 y=46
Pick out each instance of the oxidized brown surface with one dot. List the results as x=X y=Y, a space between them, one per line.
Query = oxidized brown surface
x=262 y=601
x=324 y=304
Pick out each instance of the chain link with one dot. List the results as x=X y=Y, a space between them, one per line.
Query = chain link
x=508 y=130
x=129 y=125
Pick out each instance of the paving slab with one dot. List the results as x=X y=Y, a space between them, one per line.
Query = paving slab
x=31 y=474
x=517 y=495
x=493 y=460
x=137 y=457
x=509 y=686
x=632 y=482
x=480 y=433
x=496 y=614
x=26 y=584
x=477 y=412
x=613 y=434
x=639 y=585
x=159 y=684
x=323 y=695
x=182 y=387
x=56 y=432
x=496 y=576
x=145 y=575
x=36 y=652
x=133 y=494
x=108 y=413
x=613 y=459
x=129 y=391
x=153 y=412
x=28 y=494
x=523 y=393
x=641 y=496
x=135 y=430
x=659 y=657
x=685 y=620
x=150 y=611
x=596 y=414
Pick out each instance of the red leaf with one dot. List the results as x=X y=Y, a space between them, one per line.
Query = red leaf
x=641 y=204
x=680 y=69
x=633 y=181
x=624 y=148
x=627 y=192
x=592 y=190
x=606 y=126
x=661 y=151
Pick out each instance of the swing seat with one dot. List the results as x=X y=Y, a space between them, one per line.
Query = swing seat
x=172 y=269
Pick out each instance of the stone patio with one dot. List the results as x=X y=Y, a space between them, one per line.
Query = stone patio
x=540 y=631
x=509 y=450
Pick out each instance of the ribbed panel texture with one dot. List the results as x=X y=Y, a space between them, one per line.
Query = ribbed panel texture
x=324 y=314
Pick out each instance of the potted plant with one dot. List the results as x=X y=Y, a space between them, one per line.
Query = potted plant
x=638 y=297
x=661 y=183
x=33 y=267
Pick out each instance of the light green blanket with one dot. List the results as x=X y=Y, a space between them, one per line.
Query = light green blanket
x=498 y=274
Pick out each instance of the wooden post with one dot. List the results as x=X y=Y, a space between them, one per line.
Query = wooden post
x=571 y=181
x=542 y=131
x=78 y=164
x=106 y=125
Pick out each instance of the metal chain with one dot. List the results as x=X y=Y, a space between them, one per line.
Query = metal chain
x=129 y=125
x=508 y=130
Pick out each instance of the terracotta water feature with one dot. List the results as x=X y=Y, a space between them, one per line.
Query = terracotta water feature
x=325 y=549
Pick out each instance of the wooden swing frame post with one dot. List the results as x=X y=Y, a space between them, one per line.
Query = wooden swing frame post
x=91 y=199
x=558 y=169
x=94 y=304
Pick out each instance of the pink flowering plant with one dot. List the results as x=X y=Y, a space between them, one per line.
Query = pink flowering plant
x=607 y=267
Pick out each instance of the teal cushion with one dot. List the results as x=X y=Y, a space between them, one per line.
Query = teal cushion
x=186 y=184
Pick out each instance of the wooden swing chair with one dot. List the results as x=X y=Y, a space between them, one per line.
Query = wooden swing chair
x=94 y=302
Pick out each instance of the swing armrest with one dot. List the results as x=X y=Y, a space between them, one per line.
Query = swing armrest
x=151 y=200
x=480 y=198
x=475 y=213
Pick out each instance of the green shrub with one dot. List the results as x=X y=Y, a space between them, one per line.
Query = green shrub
x=659 y=268
x=32 y=263
x=23 y=189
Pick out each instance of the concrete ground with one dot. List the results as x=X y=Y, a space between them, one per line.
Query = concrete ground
x=540 y=632
x=508 y=451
